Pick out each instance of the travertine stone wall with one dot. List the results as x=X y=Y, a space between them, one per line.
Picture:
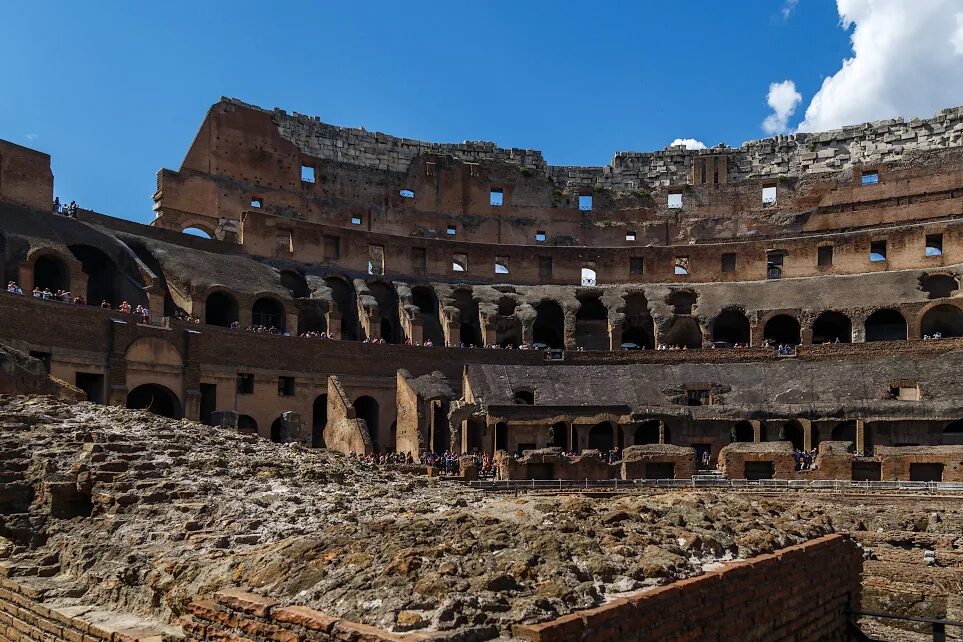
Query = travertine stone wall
x=793 y=155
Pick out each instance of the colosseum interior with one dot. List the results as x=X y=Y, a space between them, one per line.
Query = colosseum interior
x=395 y=390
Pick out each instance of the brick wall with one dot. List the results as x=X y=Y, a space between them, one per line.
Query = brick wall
x=798 y=593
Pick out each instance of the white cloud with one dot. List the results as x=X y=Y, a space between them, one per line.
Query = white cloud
x=788 y=7
x=907 y=61
x=783 y=100
x=31 y=137
x=690 y=143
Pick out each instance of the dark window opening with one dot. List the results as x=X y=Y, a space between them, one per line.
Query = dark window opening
x=630 y=236
x=245 y=383
x=728 y=262
x=43 y=357
x=877 y=251
x=774 y=263
x=356 y=220
x=824 y=255
x=93 y=385
x=307 y=174
x=934 y=245
x=636 y=266
x=524 y=398
x=585 y=202
x=496 y=197
x=285 y=386
x=208 y=403
x=885 y=325
x=869 y=178
x=926 y=472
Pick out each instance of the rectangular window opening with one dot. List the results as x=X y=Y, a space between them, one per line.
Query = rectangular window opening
x=934 y=245
x=452 y=230
x=869 y=178
x=501 y=265
x=636 y=266
x=285 y=240
x=356 y=220
x=681 y=267
x=307 y=174
x=256 y=202
x=245 y=383
x=728 y=262
x=769 y=195
x=877 y=251
x=824 y=255
x=496 y=197
x=585 y=202
x=545 y=268
x=285 y=386
x=540 y=237
x=675 y=200
x=376 y=260
x=630 y=236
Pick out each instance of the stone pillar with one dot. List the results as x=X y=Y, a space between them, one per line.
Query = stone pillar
x=806 y=335
x=807 y=426
x=860 y=436
x=415 y=332
x=662 y=432
x=452 y=332
x=25 y=279
x=192 y=405
x=569 y=331
x=914 y=326
x=756 y=430
x=489 y=332
x=291 y=322
x=756 y=334
x=615 y=336
x=615 y=435
x=155 y=302
x=245 y=317
x=859 y=329
x=333 y=322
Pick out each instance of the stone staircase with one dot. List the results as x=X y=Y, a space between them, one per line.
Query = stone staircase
x=712 y=477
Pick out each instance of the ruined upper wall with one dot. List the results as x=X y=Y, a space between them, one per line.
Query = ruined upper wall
x=25 y=176
x=794 y=155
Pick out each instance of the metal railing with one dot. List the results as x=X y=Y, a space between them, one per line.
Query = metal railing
x=713 y=482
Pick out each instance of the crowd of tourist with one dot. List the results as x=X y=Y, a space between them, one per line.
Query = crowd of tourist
x=70 y=210
x=935 y=335
x=805 y=459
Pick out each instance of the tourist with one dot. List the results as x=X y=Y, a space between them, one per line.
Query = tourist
x=104 y=305
x=56 y=205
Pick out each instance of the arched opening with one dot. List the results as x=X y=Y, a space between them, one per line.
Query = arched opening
x=782 y=329
x=939 y=286
x=549 y=327
x=427 y=302
x=730 y=328
x=366 y=408
x=832 y=327
x=600 y=437
x=345 y=300
x=50 y=273
x=945 y=320
x=743 y=432
x=387 y=299
x=953 y=433
x=296 y=283
x=468 y=317
x=319 y=419
x=793 y=431
x=845 y=431
x=885 y=325
x=155 y=398
x=523 y=397
x=220 y=308
x=638 y=327
x=683 y=332
x=647 y=433
x=592 y=323
x=682 y=301
x=558 y=435
x=105 y=282
x=197 y=231
x=588 y=277
x=246 y=424
x=501 y=436
x=508 y=329
x=279 y=430
x=268 y=312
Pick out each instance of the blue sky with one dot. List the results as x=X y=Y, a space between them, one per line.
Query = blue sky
x=114 y=91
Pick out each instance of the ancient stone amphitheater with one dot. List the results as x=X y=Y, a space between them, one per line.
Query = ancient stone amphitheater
x=693 y=394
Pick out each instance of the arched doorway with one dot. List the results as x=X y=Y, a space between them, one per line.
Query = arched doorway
x=295 y=283
x=194 y=230
x=279 y=431
x=683 y=332
x=782 y=329
x=600 y=437
x=549 y=327
x=592 y=324
x=953 y=433
x=508 y=330
x=50 y=273
x=319 y=419
x=366 y=408
x=647 y=433
x=638 y=327
x=501 y=436
x=845 y=431
x=743 y=432
x=103 y=278
x=730 y=327
x=268 y=312
x=830 y=327
x=559 y=435
x=793 y=431
x=247 y=424
x=885 y=325
x=155 y=398
x=470 y=330
x=387 y=299
x=682 y=301
x=427 y=302
x=220 y=308
x=945 y=319
x=345 y=300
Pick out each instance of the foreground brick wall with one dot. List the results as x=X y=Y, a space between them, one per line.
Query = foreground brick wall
x=799 y=593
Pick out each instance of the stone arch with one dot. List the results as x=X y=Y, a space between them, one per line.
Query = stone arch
x=549 y=326
x=559 y=436
x=151 y=351
x=731 y=326
x=366 y=408
x=647 y=433
x=887 y=324
x=50 y=272
x=470 y=331
x=682 y=301
x=939 y=286
x=600 y=436
x=953 y=433
x=742 y=431
x=220 y=308
x=268 y=311
x=387 y=298
x=638 y=326
x=247 y=424
x=345 y=300
x=683 y=332
x=157 y=399
x=508 y=329
x=782 y=328
x=104 y=279
x=830 y=326
x=319 y=420
x=523 y=396
x=793 y=431
x=947 y=319
x=592 y=322
x=425 y=299
x=295 y=282
x=200 y=226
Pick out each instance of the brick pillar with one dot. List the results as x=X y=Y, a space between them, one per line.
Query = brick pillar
x=615 y=336
x=661 y=431
x=569 y=331
x=756 y=334
x=806 y=335
x=859 y=329
x=333 y=322
x=155 y=302
x=615 y=435
x=452 y=332
x=291 y=323
x=25 y=277
x=860 y=436
x=489 y=333
x=807 y=427
x=756 y=430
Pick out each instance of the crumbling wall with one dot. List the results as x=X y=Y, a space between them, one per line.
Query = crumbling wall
x=344 y=432
x=734 y=458
x=25 y=177
x=643 y=462
x=409 y=437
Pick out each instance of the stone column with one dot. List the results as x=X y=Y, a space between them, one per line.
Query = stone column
x=569 y=331
x=615 y=336
x=662 y=431
x=291 y=322
x=859 y=328
x=25 y=279
x=615 y=435
x=756 y=430
x=528 y=331
x=155 y=302
x=452 y=332
x=860 y=436
x=807 y=426
x=806 y=335
x=756 y=334
x=332 y=320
